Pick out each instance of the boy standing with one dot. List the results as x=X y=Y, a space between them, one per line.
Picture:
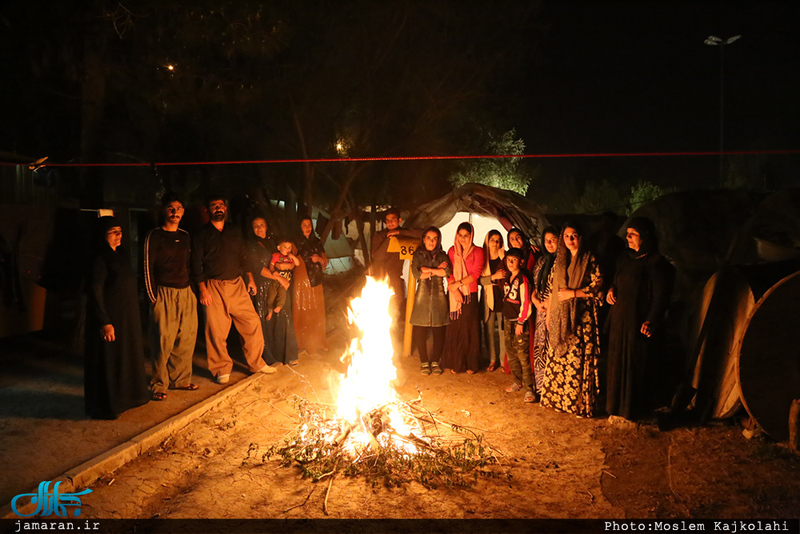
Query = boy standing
x=517 y=311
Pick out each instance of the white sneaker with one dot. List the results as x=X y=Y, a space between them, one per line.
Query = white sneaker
x=267 y=370
x=223 y=379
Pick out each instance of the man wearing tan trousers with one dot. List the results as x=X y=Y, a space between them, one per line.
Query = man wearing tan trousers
x=174 y=327
x=219 y=260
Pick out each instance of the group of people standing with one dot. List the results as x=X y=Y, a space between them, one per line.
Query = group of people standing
x=269 y=288
x=541 y=308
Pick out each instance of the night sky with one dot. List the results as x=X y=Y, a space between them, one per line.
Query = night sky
x=581 y=77
x=637 y=77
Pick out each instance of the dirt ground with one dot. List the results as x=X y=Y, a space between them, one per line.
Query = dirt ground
x=553 y=465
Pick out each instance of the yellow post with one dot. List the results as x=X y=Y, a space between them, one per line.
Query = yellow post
x=405 y=247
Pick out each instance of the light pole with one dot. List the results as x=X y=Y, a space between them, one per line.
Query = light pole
x=713 y=40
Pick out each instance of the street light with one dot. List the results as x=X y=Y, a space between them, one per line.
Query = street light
x=713 y=40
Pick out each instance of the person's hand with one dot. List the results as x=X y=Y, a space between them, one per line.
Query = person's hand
x=316 y=259
x=566 y=294
x=108 y=333
x=611 y=299
x=425 y=275
x=518 y=329
x=284 y=282
x=646 y=329
x=205 y=297
x=499 y=274
x=251 y=288
x=442 y=265
x=392 y=233
x=458 y=296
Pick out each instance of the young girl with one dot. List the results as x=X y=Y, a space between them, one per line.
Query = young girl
x=492 y=281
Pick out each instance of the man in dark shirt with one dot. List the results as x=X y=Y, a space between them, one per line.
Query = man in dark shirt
x=219 y=259
x=389 y=265
x=166 y=276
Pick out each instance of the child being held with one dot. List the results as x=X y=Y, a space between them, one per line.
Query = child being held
x=283 y=263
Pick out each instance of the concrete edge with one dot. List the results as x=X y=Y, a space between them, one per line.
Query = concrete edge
x=88 y=472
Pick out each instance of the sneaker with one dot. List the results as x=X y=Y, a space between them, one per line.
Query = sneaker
x=426 y=369
x=267 y=370
x=513 y=387
x=435 y=368
x=223 y=379
x=530 y=397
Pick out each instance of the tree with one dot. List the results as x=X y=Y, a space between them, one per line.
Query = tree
x=598 y=197
x=643 y=192
x=503 y=173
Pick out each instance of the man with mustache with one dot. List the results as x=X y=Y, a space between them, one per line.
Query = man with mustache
x=174 y=318
x=219 y=263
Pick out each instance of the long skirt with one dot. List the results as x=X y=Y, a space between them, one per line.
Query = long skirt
x=280 y=343
x=462 y=340
x=309 y=312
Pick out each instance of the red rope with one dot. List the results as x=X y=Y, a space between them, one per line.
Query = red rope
x=409 y=158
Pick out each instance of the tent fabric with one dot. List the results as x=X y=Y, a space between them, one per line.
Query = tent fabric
x=511 y=209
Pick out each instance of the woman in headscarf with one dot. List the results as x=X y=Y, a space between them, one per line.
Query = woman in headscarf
x=309 y=300
x=518 y=239
x=462 y=344
x=261 y=247
x=570 y=382
x=541 y=273
x=492 y=278
x=639 y=298
x=430 y=266
x=114 y=375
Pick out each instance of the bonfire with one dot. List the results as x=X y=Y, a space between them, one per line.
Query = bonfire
x=370 y=431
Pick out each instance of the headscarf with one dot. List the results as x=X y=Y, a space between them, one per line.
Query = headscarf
x=460 y=268
x=307 y=247
x=104 y=224
x=549 y=260
x=488 y=290
x=568 y=272
x=647 y=232
x=526 y=247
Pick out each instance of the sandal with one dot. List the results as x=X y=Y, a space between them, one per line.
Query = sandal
x=159 y=396
x=492 y=367
x=513 y=387
x=190 y=387
x=426 y=369
x=435 y=368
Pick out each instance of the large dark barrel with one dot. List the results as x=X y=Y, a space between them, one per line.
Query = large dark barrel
x=726 y=302
x=769 y=360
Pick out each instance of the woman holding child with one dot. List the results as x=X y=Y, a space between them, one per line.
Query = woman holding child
x=273 y=263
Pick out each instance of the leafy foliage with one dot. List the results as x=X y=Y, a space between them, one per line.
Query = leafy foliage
x=503 y=173
x=643 y=192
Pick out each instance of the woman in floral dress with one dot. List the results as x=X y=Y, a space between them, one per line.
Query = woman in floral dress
x=570 y=382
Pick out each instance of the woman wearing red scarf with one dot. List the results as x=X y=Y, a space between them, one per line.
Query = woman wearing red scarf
x=462 y=345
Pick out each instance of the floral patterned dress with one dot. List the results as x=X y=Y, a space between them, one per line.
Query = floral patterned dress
x=571 y=382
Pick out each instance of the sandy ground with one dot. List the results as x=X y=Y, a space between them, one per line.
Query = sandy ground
x=552 y=465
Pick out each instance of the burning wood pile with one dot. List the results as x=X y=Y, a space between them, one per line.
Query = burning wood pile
x=370 y=431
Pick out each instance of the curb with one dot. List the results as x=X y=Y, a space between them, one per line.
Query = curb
x=99 y=466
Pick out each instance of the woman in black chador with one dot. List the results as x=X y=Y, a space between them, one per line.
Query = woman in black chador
x=114 y=376
x=639 y=299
